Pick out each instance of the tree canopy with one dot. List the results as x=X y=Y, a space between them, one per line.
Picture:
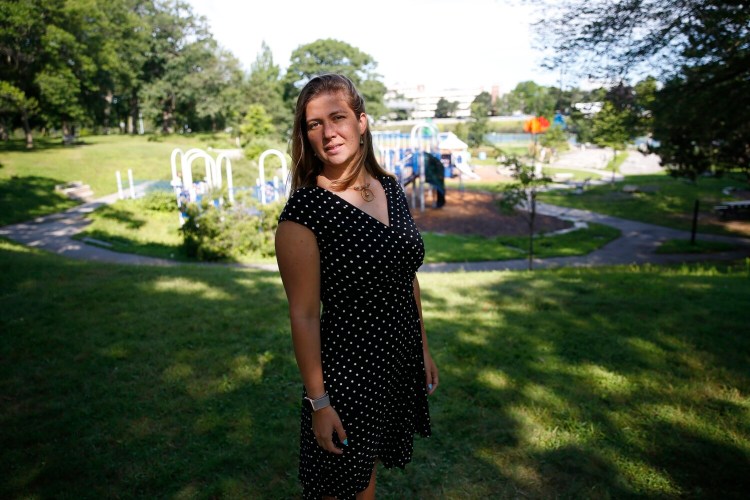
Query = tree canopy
x=699 y=50
x=334 y=56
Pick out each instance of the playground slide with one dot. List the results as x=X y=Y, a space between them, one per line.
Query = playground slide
x=465 y=170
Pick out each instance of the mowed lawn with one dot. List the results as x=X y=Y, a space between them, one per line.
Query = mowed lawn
x=180 y=382
x=28 y=177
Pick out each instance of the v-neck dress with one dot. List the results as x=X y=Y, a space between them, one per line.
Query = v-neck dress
x=371 y=342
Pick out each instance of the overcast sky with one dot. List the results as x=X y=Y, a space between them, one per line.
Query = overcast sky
x=439 y=43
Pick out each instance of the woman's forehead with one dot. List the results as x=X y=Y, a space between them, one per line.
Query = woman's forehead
x=328 y=100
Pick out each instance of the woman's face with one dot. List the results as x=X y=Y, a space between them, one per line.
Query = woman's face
x=334 y=130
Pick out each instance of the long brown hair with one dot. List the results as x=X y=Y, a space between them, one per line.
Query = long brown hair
x=305 y=165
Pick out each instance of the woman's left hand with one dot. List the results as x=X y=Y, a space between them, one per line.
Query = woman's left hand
x=431 y=372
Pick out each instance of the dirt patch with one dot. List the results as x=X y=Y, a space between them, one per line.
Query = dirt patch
x=469 y=212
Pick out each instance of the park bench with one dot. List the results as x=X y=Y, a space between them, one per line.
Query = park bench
x=732 y=208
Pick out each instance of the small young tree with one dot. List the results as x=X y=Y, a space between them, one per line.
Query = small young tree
x=522 y=195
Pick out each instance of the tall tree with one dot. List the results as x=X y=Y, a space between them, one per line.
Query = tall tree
x=699 y=48
x=266 y=89
x=334 y=56
x=480 y=112
x=445 y=108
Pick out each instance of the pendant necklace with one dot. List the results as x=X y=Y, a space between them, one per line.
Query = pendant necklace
x=365 y=191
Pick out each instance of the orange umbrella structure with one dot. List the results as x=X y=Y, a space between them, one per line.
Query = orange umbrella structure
x=536 y=125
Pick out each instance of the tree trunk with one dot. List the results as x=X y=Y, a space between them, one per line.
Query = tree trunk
x=27 y=130
x=107 y=110
x=67 y=136
x=133 y=114
x=532 y=217
x=4 y=136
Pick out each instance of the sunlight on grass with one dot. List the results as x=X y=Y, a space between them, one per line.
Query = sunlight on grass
x=182 y=286
x=604 y=383
x=574 y=383
x=493 y=379
x=645 y=479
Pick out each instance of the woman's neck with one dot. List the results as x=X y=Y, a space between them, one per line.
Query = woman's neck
x=333 y=175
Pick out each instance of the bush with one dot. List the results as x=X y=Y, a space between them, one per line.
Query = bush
x=215 y=234
x=159 y=201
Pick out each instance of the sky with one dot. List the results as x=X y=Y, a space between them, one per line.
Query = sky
x=437 y=43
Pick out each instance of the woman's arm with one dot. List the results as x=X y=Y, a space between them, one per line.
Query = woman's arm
x=299 y=264
x=431 y=371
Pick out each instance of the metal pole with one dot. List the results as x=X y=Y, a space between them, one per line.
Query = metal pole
x=695 y=222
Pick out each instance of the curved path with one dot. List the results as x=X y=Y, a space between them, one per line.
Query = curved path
x=636 y=245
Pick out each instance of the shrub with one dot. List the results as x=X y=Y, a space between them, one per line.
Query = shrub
x=159 y=201
x=216 y=234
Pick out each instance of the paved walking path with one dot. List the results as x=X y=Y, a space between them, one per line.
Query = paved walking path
x=636 y=245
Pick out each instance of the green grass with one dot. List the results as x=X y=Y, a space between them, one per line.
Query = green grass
x=454 y=248
x=28 y=177
x=129 y=226
x=578 y=175
x=180 y=382
x=663 y=200
x=24 y=198
x=700 y=246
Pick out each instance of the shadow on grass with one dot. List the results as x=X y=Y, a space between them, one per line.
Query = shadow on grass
x=24 y=198
x=179 y=382
x=636 y=393
x=125 y=217
x=145 y=382
x=40 y=144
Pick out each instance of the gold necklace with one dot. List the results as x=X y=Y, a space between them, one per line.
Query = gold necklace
x=365 y=191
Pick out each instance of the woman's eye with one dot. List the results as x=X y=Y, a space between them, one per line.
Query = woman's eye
x=312 y=125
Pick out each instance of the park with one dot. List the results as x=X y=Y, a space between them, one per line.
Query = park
x=585 y=284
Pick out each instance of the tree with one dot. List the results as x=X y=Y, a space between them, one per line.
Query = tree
x=266 y=89
x=523 y=194
x=611 y=127
x=445 y=108
x=14 y=101
x=257 y=123
x=334 y=56
x=480 y=111
x=700 y=49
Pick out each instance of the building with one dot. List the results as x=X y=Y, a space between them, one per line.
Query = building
x=420 y=101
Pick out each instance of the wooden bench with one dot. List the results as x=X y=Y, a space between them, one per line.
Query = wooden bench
x=732 y=208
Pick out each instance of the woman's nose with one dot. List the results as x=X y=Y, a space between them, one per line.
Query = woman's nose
x=329 y=130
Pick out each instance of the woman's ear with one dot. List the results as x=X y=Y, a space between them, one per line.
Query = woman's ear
x=362 y=123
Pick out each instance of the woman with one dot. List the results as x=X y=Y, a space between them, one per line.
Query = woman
x=346 y=240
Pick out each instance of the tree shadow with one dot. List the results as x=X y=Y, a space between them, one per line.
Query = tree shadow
x=181 y=381
x=555 y=362
x=124 y=217
x=24 y=198
x=40 y=144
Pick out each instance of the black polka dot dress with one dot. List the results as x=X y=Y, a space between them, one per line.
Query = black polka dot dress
x=371 y=342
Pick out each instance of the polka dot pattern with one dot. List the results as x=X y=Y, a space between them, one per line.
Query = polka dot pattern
x=371 y=339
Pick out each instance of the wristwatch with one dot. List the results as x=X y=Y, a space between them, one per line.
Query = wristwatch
x=317 y=404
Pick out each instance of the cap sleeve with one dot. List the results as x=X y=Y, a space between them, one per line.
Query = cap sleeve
x=302 y=208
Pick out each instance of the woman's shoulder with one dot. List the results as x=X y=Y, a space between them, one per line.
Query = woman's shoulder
x=299 y=200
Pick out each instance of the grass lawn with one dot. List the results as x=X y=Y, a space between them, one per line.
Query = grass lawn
x=28 y=178
x=180 y=382
x=661 y=200
x=578 y=175
x=684 y=246
x=454 y=248
x=129 y=226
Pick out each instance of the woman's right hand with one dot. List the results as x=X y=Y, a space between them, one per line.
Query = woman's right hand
x=324 y=422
